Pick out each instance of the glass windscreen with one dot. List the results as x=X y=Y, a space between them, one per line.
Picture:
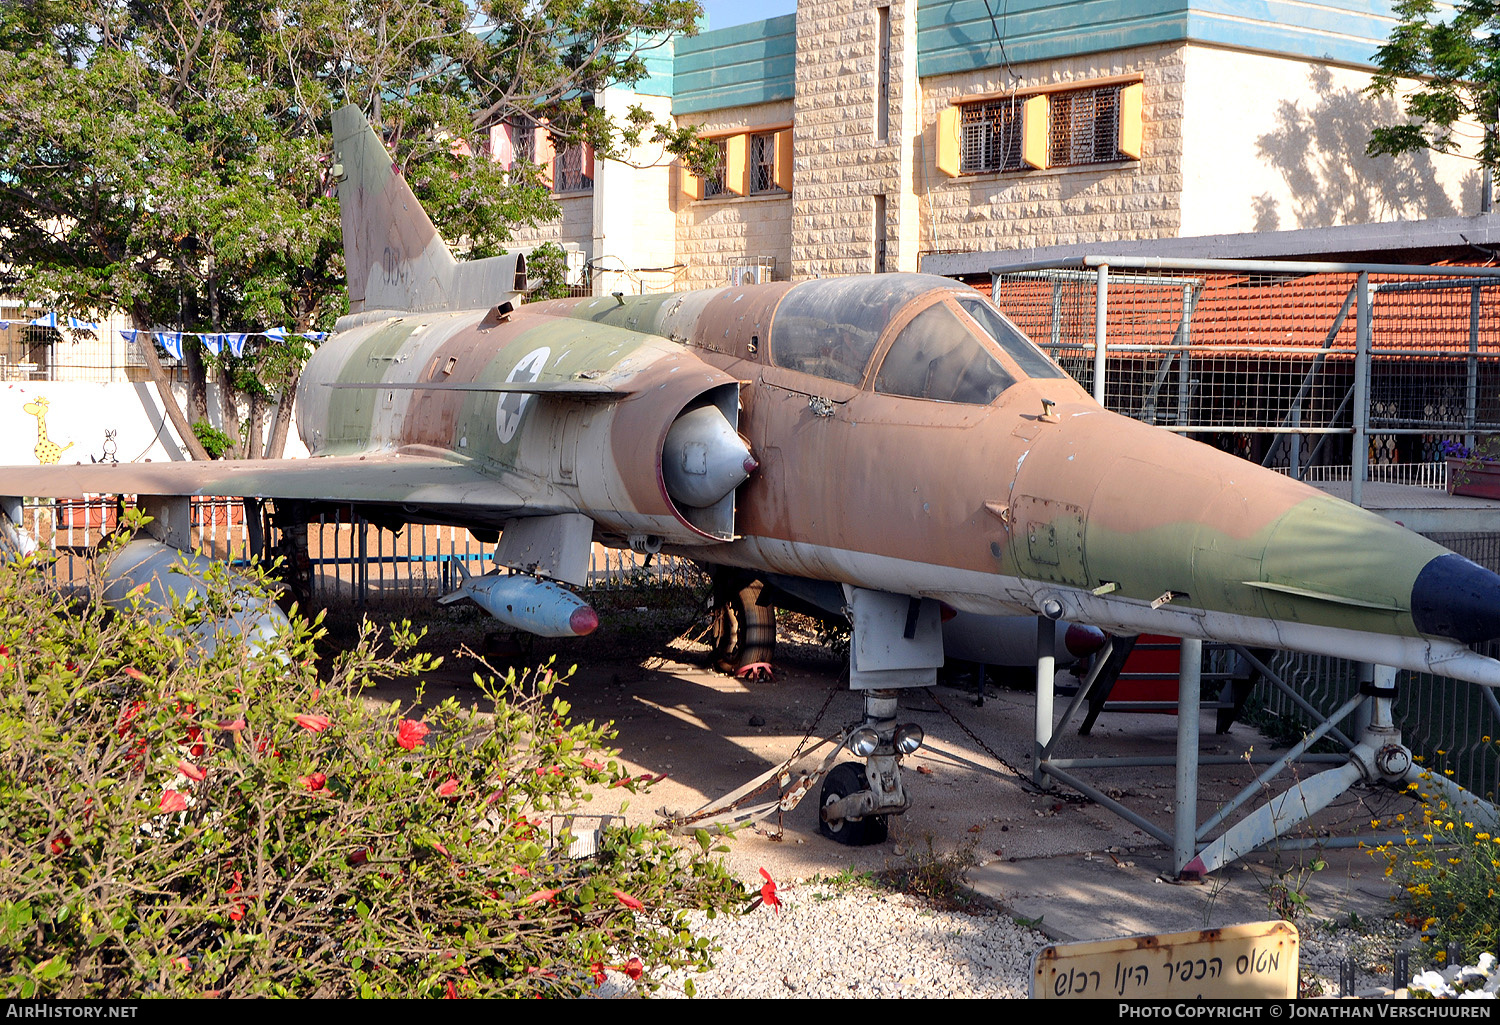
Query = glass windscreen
x=830 y=327
x=938 y=357
x=1032 y=361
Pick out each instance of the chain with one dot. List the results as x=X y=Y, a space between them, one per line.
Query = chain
x=1023 y=777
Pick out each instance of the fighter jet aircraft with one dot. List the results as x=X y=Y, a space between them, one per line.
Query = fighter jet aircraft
x=887 y=445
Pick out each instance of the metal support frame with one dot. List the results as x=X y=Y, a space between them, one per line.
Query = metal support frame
x=1189 y=840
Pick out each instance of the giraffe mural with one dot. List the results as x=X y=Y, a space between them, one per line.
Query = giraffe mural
x=47 y=451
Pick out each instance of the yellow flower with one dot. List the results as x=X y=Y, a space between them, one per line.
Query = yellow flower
x=1441 y=955
x=1481 y=836
x=1401 y=817
x=1374 y=823
x=1427 y=837
x=1441 y=751
x=1447 y=772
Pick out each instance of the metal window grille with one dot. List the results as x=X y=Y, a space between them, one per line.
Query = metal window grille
x=991 y=137
x=568 y=174
x=523 y=141
x=1083 y=127
x=763 y=163
x=713 y=185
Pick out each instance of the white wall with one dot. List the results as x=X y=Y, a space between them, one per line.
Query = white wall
x=1272 y=144
x=78 y=414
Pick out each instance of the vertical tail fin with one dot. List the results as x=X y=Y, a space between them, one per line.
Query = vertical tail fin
x=394 y=256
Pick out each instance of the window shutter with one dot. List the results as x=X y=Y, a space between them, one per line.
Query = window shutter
x=502 y=146
x=545 y=154
x=588 y=161
x=737 y=165
x=784 y=160
x=1130 y=120
x=1034 y=131
x=692 y=185
x=948 y=148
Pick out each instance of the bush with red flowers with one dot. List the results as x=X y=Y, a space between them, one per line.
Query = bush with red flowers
x=235 y=824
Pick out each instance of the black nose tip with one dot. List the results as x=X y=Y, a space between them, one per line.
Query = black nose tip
x=1453 y=597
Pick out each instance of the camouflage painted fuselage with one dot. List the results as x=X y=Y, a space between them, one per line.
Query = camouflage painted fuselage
x=994 y=508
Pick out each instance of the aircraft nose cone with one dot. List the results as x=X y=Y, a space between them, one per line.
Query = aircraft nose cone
x=1453 y=597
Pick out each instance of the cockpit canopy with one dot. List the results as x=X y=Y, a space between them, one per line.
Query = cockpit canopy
x=931 y=338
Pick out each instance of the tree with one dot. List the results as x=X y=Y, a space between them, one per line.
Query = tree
x=171 y=158
x=1456 y=64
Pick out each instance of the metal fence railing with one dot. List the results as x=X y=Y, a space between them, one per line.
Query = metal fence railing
x=351 y=559
x=1294 y=365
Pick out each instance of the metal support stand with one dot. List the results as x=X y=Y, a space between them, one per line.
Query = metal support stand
x=1046 y=670
x=1185 y=811
x=1377 y=755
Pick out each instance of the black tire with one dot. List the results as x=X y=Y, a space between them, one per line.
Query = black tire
x=744 y=631
x=849 y=778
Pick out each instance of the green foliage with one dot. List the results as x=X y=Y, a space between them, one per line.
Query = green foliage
x=1449 y=870
x=215 y=441
x=172 y=159
x=246 y=824
x=546 y=272
x=1457 y=62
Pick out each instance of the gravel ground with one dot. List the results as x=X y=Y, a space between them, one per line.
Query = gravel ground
x=850 y=940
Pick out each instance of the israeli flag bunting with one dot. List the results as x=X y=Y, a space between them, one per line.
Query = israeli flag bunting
x=84 y=325
x=4 y=325
x=172 y=342
x=237 y=343
x=277 y=334
x=50 y=320
x=316 y=336
x=213 y=343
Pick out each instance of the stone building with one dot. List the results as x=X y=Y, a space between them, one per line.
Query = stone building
x=869 y=135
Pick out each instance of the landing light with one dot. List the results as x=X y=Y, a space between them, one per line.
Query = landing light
x=863 y=742
x=909 y=738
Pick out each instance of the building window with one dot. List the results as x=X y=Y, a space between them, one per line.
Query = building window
x=1061 y=128
x=1084 y=127
x=763 y=163
x=991 y=137
x=575 y=169
x=883 y=79
x=713 y=185
x=880 y=235
x=523 y=141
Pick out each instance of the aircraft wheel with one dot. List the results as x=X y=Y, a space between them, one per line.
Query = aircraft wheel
x=845 y=779
x=744 y=631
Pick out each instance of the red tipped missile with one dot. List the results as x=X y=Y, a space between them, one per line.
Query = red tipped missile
x=534 y=606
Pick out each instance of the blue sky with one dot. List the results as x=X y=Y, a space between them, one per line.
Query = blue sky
x=724 y=13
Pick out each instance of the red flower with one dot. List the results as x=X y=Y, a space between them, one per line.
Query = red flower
x=171 y=800
x=127 y=718
x=60 y=843
x=448 y=788
x=768 y=892
x=234 y=725
x=597 y=971
x=410 y=733
x=629 y=901
x=550 y=896
x=589 y=763
x=450 y=992
x=191 y=771
x=236 y=912
x=633 y=968
x=316 y=723
x=133 y=673
x=314 y=782
x=356 y=858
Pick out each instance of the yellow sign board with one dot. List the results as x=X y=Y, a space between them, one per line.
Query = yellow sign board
x=1255 y=961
